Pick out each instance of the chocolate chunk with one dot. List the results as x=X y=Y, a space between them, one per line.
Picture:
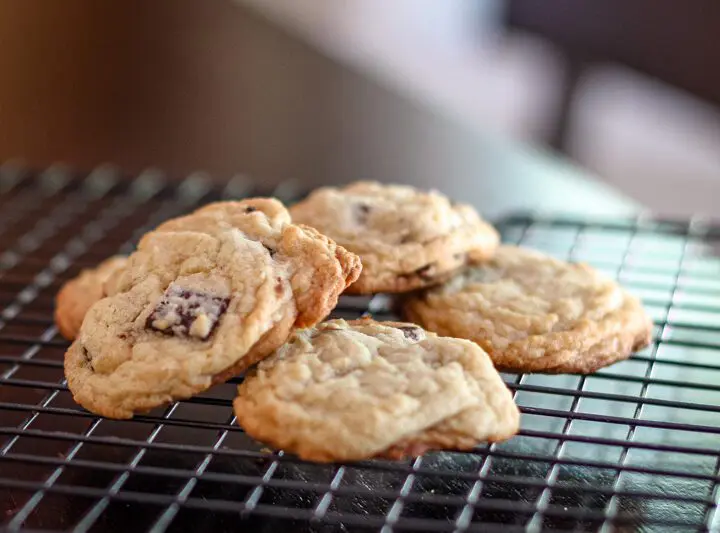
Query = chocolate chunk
x=88 y=359
x=425 y=272
x=362 y=211
x=184 y=313
x=412 y=333
x=271 y=251
x=250 y=209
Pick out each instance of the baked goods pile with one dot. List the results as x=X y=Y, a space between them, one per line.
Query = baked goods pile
x=245 y=286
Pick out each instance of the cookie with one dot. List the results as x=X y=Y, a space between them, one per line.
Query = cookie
x=407 y=239
x=533 y=313
x=78 y=294
x=347 y=391
x=203 y=297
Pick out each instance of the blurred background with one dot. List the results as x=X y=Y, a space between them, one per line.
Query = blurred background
x=600 y=105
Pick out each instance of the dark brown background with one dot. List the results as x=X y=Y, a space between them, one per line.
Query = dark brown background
x=179 y=84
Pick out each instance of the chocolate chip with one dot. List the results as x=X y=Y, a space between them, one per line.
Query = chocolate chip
x=425 y=272
x=122 y=336
x=271 y=251
x=183 y=313
x=411 y=332
x=362 y=211
x=405 y=239
x=88 y=359
x=250 y=209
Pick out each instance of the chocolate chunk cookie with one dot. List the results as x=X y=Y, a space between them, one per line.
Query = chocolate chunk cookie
x=533 y=313
x=203 y=297
x=346 y=391
x=78 y=294
x=407 y=239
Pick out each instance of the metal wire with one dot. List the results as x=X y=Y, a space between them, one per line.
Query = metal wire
x=634 y=446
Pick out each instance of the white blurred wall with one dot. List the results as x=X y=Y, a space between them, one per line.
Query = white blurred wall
x=650 y=141
x=448 y=55
x=656 y=143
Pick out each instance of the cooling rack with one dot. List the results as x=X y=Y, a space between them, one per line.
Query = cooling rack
x=633 y=447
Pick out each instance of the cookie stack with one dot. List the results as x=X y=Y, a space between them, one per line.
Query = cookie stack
x=243 y=287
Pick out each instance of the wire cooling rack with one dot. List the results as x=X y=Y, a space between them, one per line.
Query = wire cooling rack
x=633 y=447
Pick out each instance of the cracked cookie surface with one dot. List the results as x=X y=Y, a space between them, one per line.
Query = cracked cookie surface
x=345 y=391
x=534 y=313
x=203 y=297
x=407 y=239
x=78 y=294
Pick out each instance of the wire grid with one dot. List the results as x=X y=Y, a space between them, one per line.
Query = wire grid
x=633 y=446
